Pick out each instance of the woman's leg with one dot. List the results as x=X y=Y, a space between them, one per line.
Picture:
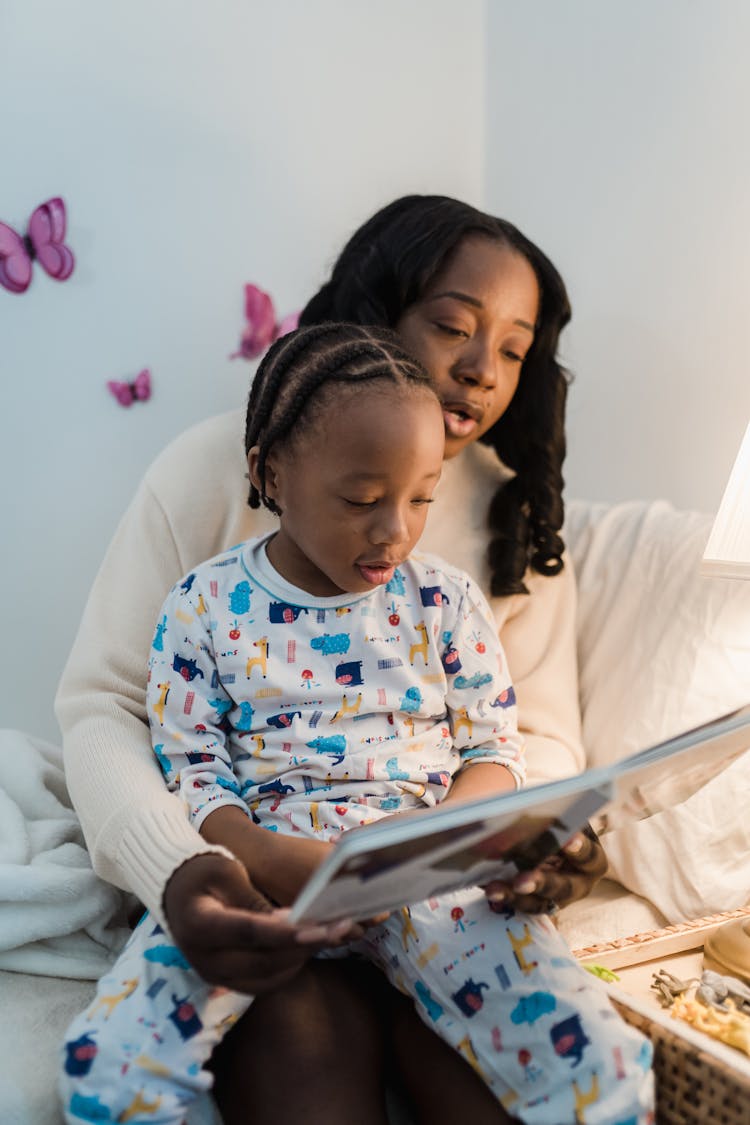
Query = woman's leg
x=328 y=1042
x=439 y=1083
x=312 y=1051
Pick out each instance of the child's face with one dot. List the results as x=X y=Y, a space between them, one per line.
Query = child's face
x=354 y=489
x=472 y=330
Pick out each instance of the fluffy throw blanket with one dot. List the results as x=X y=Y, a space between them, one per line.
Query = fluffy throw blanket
x=56 y=916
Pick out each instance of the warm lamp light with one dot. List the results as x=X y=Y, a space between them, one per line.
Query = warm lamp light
x=727 y=553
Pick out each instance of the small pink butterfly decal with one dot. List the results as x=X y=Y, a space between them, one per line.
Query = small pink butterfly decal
x=43 y=242
x=261 y=329
x=137 y=391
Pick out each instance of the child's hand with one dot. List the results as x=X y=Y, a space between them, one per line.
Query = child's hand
x=231 y=934
x=277 y=865
x=287 y=864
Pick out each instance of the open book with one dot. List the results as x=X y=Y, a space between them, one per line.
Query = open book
x=417 y=855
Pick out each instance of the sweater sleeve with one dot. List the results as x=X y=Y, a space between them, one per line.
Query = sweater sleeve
x=137 y=831
x=538 y=633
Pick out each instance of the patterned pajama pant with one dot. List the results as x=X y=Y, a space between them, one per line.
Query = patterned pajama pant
x=502 y=990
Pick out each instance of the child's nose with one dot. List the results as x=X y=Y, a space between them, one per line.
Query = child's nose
x=390 y=527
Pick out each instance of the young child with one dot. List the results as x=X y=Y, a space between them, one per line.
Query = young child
x=321 y=677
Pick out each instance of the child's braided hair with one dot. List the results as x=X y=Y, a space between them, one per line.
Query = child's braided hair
x=283 y=397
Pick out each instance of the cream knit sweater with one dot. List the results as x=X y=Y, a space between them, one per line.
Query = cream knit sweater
x=191 y=505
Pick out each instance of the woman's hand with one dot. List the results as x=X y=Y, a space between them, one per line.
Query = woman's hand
x=560 y=880
x=231 y=934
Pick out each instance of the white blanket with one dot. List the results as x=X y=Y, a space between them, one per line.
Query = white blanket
x=56 y=916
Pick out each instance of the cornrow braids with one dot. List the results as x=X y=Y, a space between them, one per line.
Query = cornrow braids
x=386 y=267
x=284 y=394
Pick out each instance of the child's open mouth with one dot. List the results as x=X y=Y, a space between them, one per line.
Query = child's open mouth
x=378 y=574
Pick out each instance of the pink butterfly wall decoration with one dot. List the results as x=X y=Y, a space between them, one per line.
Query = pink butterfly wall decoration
x=137 y=391
x=44 y=242
x=262 y=328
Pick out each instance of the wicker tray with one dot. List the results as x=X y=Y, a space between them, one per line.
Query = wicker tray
x=699 y=1081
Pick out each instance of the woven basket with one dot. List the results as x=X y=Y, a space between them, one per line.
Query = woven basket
x=692 y=1086
x=698 y=1081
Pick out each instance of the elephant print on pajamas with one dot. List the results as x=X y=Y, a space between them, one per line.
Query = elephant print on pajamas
x=569 y=1039
x=283 y=612
x=80 y=1055
x=469 y=996
x=185 y=1017
x=283 y=720
x=350 y=673
x=505 y=699
x=433 y=595
x=451 y=661
x=188 y=669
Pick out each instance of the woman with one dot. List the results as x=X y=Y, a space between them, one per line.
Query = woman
x=483 y=309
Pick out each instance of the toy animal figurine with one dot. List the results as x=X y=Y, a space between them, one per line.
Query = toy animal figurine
x=715 y=990
x=670 y=987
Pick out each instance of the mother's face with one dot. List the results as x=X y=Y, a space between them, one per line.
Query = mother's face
x=472 y=330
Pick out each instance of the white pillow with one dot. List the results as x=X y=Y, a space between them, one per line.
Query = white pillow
x=662 y=649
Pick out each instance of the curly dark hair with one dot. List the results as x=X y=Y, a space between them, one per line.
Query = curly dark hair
x=296 y=379
x=385 y=268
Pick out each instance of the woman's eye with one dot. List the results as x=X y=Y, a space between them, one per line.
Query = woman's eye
x=450 y=330
x=513 y=356
x=424 y=500
x=359 y=503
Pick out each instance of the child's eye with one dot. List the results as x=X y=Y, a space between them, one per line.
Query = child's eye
x=424 y=500
x=359 y=503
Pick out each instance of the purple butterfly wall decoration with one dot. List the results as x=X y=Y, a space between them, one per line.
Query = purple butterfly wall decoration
x=44 y=242
x=137 y=391
x=261 y=328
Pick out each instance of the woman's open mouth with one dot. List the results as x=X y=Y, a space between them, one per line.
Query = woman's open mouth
x=460 y=418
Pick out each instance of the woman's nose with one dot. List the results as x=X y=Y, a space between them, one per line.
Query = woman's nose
x=475 y=367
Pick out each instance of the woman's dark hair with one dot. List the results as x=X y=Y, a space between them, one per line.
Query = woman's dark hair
x=384 y=269
x=289 y=387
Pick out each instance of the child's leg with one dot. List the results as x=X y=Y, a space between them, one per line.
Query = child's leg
x=508 y=994
x=138 y=1053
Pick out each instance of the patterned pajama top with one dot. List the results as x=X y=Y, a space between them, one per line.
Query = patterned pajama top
x=264 y=696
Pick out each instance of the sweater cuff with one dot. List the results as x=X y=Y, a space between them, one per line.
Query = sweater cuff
x=151 y=849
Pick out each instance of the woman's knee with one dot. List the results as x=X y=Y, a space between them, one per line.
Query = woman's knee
x=318 y=1040
x=329 y=1010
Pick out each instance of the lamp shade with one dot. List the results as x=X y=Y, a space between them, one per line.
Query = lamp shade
x=727 y=552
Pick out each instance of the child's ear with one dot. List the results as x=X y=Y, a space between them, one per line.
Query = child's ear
x=270 y=468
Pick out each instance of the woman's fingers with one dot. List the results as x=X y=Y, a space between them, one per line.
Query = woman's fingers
x=585 y=853
x=560 y=880
x=231 y=934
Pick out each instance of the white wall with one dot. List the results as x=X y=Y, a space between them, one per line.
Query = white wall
x=197 y=146
x=618 y=140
